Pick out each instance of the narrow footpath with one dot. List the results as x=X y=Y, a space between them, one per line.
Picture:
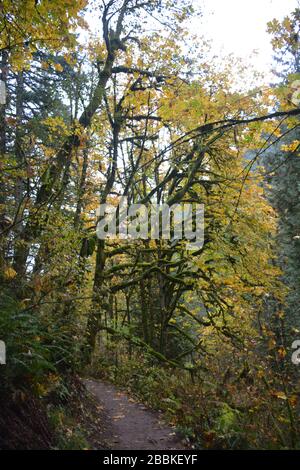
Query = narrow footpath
x=132 y=425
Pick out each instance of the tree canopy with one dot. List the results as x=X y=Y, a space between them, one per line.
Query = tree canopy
x=138 y=113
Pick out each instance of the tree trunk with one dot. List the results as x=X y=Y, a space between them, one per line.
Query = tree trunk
x=3 y=77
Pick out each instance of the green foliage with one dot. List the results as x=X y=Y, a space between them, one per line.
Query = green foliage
x=71 y=436
x=228 y=425
x=35 y=346
x=219 y=411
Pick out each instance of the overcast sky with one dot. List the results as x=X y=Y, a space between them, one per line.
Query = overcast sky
x=236 y=26
x=239 y=26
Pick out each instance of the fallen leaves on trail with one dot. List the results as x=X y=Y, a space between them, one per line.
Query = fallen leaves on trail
x=117 y=417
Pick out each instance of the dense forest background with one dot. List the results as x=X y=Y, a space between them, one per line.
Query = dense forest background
x=140 y=112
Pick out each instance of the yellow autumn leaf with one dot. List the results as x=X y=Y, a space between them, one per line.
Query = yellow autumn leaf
x=9 y=273
x=280 y=395
x=293 y=400
x=271 y=343
x=58 y=67
x=291 y=147
x=45 y=65
x=281 y=352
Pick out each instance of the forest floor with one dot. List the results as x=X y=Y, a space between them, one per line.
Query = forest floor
x=132 y=425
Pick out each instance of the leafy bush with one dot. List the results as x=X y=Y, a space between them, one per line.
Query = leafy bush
x=216 y=412
x=34 y=345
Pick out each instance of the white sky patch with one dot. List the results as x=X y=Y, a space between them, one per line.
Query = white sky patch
x=239 y=27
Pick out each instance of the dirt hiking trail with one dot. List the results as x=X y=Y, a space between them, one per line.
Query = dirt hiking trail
x=132 y=425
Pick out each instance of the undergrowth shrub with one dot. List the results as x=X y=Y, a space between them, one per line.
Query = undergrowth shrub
x=229 y=409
